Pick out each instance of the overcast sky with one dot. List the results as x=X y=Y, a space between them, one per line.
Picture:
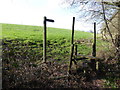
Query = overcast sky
x=31 y=12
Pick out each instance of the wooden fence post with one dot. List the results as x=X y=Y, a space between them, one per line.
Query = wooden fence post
x=72 y=46
x=45 y=37
x=93 y=61
x=44 y=41
x=76 y=48
x=94 y=44
x=73 y=30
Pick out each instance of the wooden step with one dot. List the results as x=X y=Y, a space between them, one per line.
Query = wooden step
x=82 y=57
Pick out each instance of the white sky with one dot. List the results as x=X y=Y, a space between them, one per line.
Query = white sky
x=31 y=12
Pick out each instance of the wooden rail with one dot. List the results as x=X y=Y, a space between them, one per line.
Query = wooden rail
x=80 y=57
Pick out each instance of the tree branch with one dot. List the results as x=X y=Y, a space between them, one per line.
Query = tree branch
x=104 y=16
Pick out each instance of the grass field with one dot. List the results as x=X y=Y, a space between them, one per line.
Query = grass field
x=12 y=31
x=35 y=34
x=58 y=40
x=22 y=46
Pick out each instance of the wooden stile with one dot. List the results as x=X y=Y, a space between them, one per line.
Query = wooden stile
x=72 y=45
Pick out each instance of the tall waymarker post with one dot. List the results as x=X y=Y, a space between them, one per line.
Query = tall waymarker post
x=45 y=37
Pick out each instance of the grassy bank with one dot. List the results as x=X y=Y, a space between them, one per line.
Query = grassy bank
x=22 y=47
x=13 y=31
x=58 y=40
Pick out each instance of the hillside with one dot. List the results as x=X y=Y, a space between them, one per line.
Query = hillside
x=14 y=31
x=22 y=47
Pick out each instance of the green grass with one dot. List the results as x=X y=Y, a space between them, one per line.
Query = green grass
x=24 y=43
x=57 y=37
x=58 y=40
x=13 y=31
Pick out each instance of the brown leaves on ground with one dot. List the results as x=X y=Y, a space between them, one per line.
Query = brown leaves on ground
x=47 y=75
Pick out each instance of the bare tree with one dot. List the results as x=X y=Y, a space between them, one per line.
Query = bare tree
x=92 y=10
x=102 y=12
